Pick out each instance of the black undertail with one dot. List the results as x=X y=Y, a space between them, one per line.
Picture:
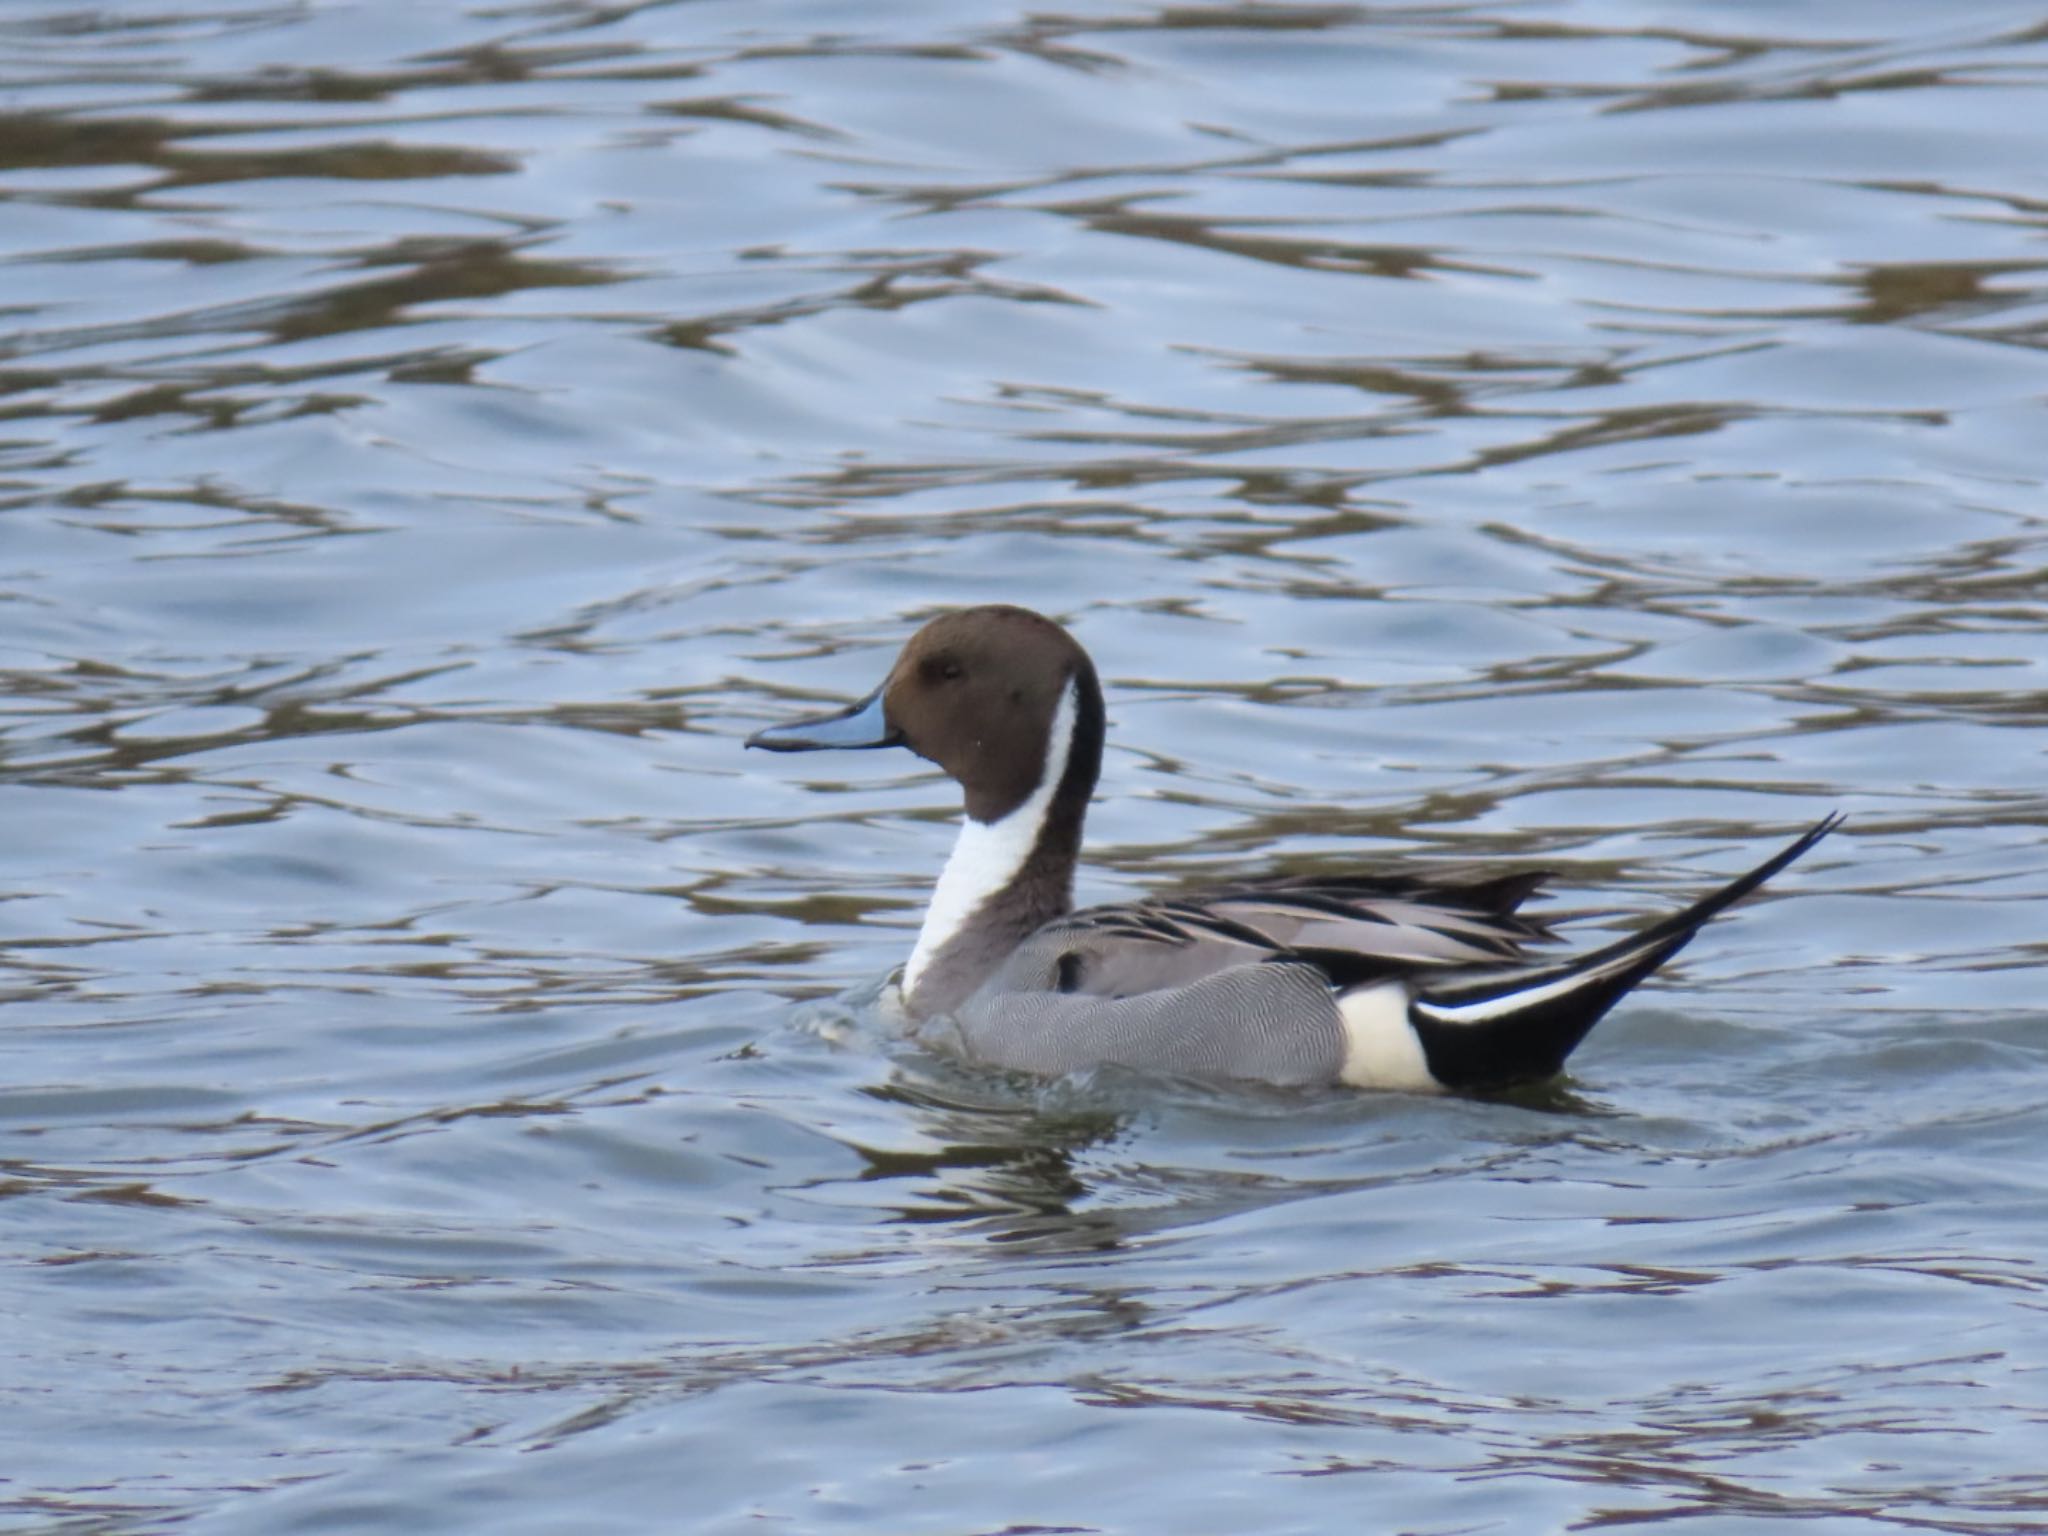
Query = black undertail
x=1476 y=1035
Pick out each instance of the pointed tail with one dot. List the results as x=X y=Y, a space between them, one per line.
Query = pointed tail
x=1519 y=1026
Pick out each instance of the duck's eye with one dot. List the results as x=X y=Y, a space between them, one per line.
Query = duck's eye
x=944 y=669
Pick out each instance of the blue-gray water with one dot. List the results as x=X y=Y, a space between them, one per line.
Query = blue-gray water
x=434 y=1090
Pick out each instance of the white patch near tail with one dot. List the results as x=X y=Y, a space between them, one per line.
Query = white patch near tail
x=1380 y=1045
x=989 y=854
x=1489 y=1008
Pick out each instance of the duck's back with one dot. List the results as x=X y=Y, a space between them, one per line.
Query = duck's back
x=1250 y=982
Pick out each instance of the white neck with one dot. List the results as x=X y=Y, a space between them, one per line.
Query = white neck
x=988 y=855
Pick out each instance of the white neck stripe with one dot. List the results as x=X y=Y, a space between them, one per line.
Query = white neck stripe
x=988 y=855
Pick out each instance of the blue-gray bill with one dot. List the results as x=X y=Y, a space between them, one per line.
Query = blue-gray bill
x=861 y=725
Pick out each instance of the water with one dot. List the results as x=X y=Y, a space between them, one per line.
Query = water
x=435 y=1086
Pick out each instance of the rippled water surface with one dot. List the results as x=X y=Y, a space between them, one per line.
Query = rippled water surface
x=437 y=1086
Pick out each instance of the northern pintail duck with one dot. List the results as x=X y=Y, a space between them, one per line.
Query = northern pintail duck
x=1418 y=981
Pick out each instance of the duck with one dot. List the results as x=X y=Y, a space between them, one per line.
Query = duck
x=1418 y=981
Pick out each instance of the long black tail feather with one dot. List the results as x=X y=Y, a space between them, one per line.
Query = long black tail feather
x=1506 y=1027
